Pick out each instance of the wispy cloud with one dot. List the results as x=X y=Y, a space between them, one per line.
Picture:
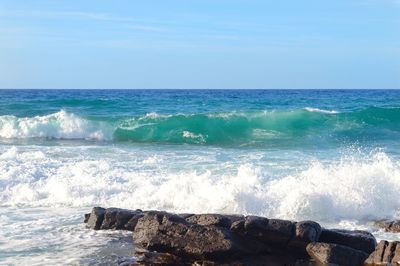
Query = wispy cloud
x=129 y=22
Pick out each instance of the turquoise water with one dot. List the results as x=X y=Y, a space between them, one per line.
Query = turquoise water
x=267 y=118
x=328 y=155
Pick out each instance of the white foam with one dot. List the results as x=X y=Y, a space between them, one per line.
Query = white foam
x=198 y=137
x=60 y=125
x=317 y=110
x=45 y=190
x=351 y=188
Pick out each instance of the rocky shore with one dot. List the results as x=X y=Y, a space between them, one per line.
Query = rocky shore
x=163 y=238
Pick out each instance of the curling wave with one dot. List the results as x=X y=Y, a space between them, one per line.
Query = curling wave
x=203 y=128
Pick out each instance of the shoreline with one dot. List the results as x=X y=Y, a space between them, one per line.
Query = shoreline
x=163 y=238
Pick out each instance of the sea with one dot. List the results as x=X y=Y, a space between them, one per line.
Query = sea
x=332 y=156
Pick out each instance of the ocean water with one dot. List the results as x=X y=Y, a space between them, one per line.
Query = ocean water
x=328 y=155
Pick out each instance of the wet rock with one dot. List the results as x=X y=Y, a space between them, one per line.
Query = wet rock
x=131 y=224
x=96 y=218
x=273 y=232
x=305 y=233
x=87 y=216
x=360 y=240
x=115 y=218
x=168 y=233
x=333 y=254
x=214 y=219
x=389 y=225
x=386 y=253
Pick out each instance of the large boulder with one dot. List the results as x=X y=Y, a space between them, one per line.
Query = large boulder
x=169 y=233
x=333 y=254
x=386 y=253
x=357 y=239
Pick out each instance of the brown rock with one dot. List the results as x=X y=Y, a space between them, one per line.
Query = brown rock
x=386 y=253
x=333 y=254
x=389 y=225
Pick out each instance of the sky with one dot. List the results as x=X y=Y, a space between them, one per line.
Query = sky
x=203 y=44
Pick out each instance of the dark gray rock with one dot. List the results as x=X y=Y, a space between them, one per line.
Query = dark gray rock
x=386 y=253
x=214 y=219
x=87 y=216
x=360 y=240
x=96 y=218
x=115 y=218
x=273 y=232
x=333 y=254
x=169 y=233
x=305 y=233
x=131 y=224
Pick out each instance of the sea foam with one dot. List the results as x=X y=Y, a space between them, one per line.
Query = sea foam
x=361 y=188
x=60 y=125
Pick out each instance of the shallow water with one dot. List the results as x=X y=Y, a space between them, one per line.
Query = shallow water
x=331 y=156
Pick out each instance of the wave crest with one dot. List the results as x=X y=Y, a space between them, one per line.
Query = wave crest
x=60 y=125
x=275 y=127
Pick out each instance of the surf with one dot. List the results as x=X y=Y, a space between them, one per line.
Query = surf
x=220 y=128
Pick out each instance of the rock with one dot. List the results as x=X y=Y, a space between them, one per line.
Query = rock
x=131 y=224
x=360 y=240
x=87 y=216
x=386 y=253
x=115 y=218
x=96 y=218
x=305 y=233
x=214 y=219
x=273 y=232
x=333 y=254
x=389 y=225
x=185 y=215
x=169 y=233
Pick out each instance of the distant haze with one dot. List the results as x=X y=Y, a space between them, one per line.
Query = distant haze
x=200 y=44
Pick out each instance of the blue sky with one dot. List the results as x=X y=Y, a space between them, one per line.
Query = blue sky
x=200 y=44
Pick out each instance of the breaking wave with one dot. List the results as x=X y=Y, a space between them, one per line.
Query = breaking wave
x=361 y=188
x=215 y=128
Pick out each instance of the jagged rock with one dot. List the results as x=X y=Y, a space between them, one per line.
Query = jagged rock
x=360 y=240
x=213 y=219
x=305 y=233
x=273 y=232
x=115 y=218
x=386 y=253
x=333 y=254
x=96 y=218
x=169 y=233
x=389 y=225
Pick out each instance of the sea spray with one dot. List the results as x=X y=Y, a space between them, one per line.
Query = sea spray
x=362 y=187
